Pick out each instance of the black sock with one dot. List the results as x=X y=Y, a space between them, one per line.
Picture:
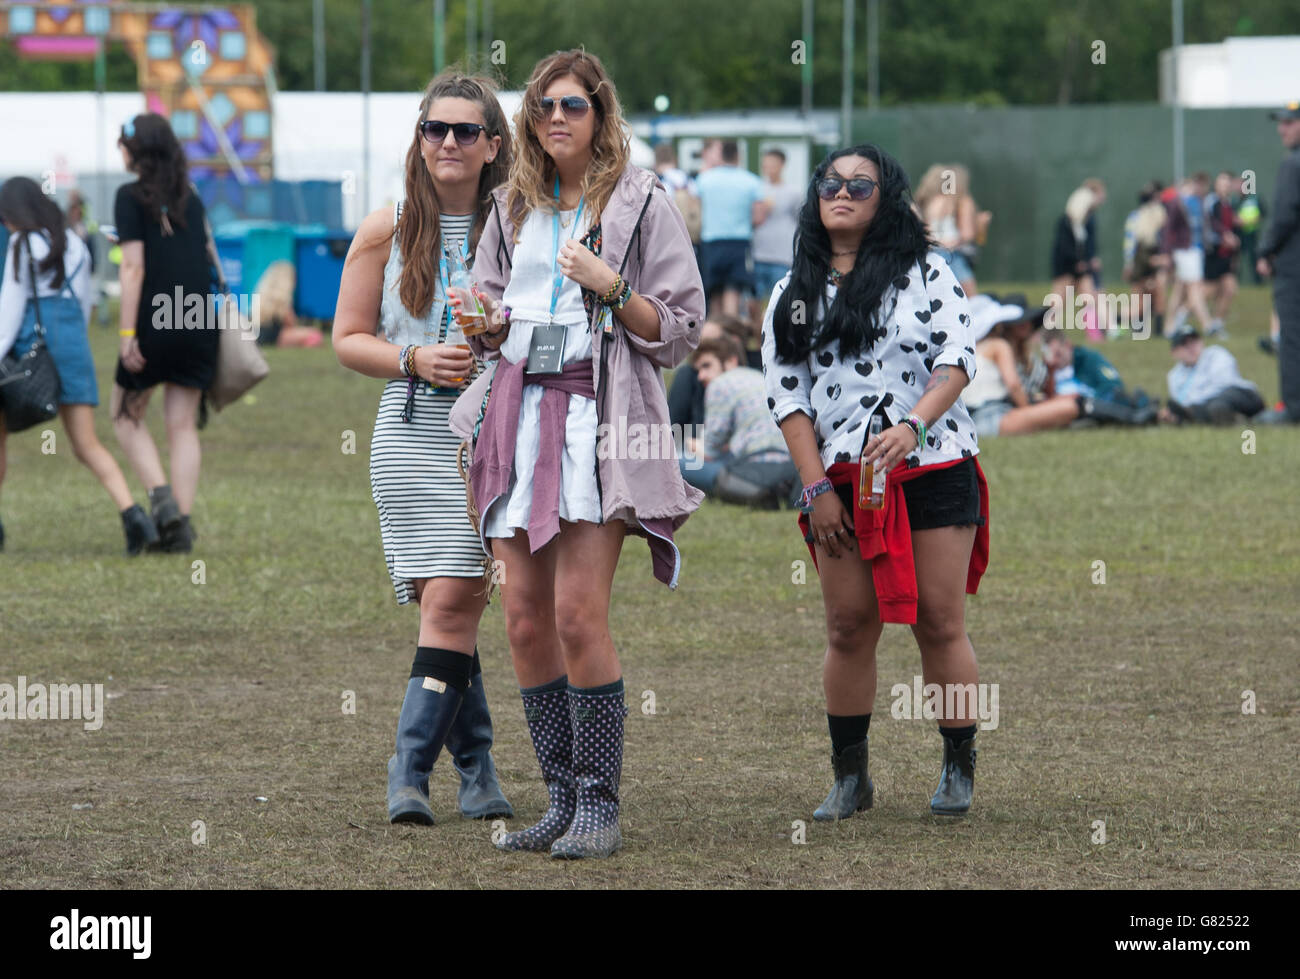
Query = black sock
x=847 y=730
x=956 y=735
x=447 y=665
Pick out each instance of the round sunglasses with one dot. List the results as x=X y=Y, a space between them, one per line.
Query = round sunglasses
x=860 y=188
x=435 y=131
x=574 y=106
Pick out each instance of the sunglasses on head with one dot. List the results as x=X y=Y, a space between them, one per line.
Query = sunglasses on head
x=574 y=106
x=860 y=188
x=466 y=132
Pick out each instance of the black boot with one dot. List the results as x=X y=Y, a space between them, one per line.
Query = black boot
x=952 y=797
x=470 y=745
x=1111 y=413
x=164 y=508
x=852 y=791
x=546 y=709
x=178 y=540
x=426 y=717
x=139 y=529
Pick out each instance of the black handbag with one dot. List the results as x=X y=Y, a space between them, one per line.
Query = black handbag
x=29 y=385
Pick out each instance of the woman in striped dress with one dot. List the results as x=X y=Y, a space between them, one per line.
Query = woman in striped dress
x=391 y=323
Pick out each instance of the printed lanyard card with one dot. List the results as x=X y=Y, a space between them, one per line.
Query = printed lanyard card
x=546 y=350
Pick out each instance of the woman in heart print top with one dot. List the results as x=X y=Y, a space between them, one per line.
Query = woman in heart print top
x=871 y=321
x=928 y=325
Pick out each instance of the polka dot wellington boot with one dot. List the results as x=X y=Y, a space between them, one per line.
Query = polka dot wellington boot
x=546 y=708
x=598 y=715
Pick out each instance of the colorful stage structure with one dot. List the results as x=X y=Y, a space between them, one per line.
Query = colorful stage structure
x=207 y=68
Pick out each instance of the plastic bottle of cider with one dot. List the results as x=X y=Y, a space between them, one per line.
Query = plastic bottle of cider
x=471 y=317
x=871 y=480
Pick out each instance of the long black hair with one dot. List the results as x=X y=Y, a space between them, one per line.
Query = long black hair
x=159 y=162
x=23 y=205
x=894 y=242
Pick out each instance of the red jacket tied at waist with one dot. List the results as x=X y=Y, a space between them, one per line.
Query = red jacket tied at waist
x=885 y=538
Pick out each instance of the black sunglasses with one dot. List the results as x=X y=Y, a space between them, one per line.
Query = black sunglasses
x=574 y=106
x=466 y=132
x=860 y=188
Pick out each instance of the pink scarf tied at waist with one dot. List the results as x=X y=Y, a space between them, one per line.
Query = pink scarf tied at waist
x=494 y=452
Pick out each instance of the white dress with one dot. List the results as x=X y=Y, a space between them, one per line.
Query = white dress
x=528 y=295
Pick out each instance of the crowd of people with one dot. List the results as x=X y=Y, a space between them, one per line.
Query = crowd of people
x=878 y=369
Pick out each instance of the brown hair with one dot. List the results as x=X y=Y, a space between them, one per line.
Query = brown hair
x=532 y=172
x=725 y=348
x=419 y=231
x=163 y=187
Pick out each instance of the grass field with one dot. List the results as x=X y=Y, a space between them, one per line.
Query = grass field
x=1120 y=702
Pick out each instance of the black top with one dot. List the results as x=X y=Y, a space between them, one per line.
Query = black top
x=177 y=348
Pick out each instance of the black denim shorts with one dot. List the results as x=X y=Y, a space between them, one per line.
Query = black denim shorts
x=946 y=498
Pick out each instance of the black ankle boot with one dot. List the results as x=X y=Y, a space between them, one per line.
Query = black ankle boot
x=165 y=510
x=139 y=529
x=178 y=540
x=952 y=797
x=852 y=791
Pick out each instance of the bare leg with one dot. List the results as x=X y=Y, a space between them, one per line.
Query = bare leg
x=450 y=609
x=1227 y=290
x=853 y=630
x=528 y=594
x=133 y=435
x=1053 y=413
x=731 y=302
x=180 y=411
x=1196 y=299
x=79 y=423
x=942 y=558
x=587 y=556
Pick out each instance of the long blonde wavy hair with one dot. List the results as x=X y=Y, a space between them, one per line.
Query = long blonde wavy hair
x=419 y=231
x=532 y=171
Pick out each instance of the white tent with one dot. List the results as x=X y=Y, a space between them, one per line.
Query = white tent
x=318 y=136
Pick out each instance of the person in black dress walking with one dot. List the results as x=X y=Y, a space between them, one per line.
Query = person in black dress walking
x=162 y=227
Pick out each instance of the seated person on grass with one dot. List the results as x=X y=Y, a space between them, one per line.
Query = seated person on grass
x=1082 y=370
x=745 y=459
x=686 y=393
x=996 y=397
x=1205 y=385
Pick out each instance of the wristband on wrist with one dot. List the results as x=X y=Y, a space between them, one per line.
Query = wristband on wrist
x=607 y=297
x=918 y=428
x=812 y=491
x=623 y=297
x=126 y=333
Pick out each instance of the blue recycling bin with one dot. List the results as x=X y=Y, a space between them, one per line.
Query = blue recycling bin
x=247 y=248
x=320 y=254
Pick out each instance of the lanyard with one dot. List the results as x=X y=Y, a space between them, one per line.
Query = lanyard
x=446 y=289
x=555 y=244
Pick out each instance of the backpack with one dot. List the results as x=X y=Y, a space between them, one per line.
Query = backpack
x=689 y=205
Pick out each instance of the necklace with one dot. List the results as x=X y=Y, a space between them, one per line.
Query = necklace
x=835 y=276
x=842 y=254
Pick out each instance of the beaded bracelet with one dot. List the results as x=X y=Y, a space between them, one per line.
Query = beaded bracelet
x=918 y=428
x=812 y=491
x=623 y=297
x=401 y=360
x=408 y=360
